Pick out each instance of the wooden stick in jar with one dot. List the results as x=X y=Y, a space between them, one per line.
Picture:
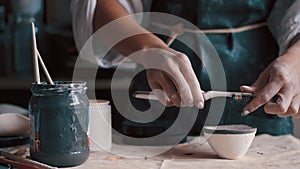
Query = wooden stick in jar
x=44 y=68
x=35 y=57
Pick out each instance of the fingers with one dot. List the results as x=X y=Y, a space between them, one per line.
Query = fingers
x=264 y=96
x=163 y=88
x=160 y=94
x=257 y=85
x=285 y=105
x=281 y=104
x=248 y=89
x=178 y=81
x=184 y=82
x=183 y=88
x=171 y=91
x=193 y=84
x=293 y=109
x=179 y=61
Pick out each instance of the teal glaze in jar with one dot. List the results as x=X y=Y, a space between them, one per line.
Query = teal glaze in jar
x=59 y=118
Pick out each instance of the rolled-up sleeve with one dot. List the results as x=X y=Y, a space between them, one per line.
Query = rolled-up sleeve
x=284 y=22
x=82 y=20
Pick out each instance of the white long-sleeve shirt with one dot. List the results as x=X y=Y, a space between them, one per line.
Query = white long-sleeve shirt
x=283 y=22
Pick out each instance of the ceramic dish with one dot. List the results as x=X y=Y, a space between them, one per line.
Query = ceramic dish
x=230 y=141
x=17 y=117
x=10 y=108
x=13 y=141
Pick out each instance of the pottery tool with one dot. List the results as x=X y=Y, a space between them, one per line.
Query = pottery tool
x=37 y=57
x=20 y=160
x=235 y=96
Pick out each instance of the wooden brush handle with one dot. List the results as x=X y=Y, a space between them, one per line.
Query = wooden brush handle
x=207 y=95
x=145 y=95
x=16 y=164
x=26 y=161
x=212 y=94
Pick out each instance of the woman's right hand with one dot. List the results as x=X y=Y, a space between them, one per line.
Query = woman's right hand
x=171 y=77
x=167 y=70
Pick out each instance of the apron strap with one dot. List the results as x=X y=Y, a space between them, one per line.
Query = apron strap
x=174 y=29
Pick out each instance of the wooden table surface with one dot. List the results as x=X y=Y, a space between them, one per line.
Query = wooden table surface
x=265 y=152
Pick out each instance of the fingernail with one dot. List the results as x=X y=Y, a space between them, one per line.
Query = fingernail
x=245 y=113
x=200 y=105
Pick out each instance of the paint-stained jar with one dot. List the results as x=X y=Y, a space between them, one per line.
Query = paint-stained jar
x=59 y=118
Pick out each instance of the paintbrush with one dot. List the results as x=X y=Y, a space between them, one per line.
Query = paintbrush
x=235 y=96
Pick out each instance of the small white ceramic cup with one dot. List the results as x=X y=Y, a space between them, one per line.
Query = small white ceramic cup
x=100 y=125
x=230 y=141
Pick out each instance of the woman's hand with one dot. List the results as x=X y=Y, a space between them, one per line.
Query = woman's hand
x=171 y=77
x=282 y=79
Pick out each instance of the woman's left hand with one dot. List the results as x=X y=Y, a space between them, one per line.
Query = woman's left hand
x=282 y=79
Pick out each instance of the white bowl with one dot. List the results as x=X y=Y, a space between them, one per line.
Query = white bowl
x=230 y=141
x=13 y=124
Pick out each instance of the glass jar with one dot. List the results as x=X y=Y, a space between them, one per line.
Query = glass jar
x=59 y=118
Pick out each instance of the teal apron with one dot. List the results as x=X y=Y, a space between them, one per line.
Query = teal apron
x=244 y=56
